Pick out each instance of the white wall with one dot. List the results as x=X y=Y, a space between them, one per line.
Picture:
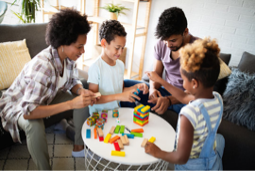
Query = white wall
x=231 y=22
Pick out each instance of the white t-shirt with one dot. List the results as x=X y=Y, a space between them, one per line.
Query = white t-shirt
x=110 y=80
x=64 y=78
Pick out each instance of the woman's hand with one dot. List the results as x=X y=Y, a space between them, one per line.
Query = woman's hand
x=129 y=96
x=153 y=76
x=152 y=149
x=85 y=98
x=143 y=87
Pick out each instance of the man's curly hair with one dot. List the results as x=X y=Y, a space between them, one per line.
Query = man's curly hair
x=65 y=27
x=200 y=60
x=110 y=28
x=171 y=22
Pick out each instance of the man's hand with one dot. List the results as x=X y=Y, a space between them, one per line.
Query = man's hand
x=85 y=98
x=154 y=93
x=162 y=104
x=153 y=76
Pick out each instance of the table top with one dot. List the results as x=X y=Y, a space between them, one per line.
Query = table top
x=134 y=153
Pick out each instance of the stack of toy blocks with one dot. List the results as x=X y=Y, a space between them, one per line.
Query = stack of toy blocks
x=141 y=114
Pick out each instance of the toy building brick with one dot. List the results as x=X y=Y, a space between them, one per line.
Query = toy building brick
x=91 y=121
x=95 y=115
x=104 y=115
x=141 y=114
x=100 y=123
x=115 y=113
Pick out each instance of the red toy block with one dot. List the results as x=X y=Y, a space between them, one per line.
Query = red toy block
x=116 y=146
x=101 y=139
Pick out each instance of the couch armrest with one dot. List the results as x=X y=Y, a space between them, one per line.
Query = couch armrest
x=82 y=74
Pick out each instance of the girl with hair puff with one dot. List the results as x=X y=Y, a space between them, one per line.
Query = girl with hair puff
x=197 y=144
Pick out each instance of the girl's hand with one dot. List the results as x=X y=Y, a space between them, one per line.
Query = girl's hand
x=85 y=98
x=154 y=76
x=143 y=87
x=152 y=149
x=129 y=96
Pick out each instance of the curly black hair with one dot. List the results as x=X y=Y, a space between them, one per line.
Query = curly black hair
x=110 y=28
x=65 y=27
x=171 y=22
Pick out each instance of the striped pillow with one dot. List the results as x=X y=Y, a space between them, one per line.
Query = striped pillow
x=13 y=56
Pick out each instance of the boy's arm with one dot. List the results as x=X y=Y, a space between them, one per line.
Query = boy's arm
x=181 y=155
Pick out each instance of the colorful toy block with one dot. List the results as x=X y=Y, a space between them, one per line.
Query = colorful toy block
x=120 y=144
x=136 y=92
x=90 y=121
x=100 y=123
x=95 y=133
x=117 y=129
x=107 y=138
x=118 y=153
x=125 y=140
x=122 y=129
x=113 y=139
x=101 y=138
x=88 y=133
x=130 y=136
x=137 y=134
x=152 y=139
x=141 y=114
x=95 y=115
x=117 y=148
x=138 y=130
x=104 y=114
x=100 y=132
x=112 y=130
x=115 y=113
x=143 y=144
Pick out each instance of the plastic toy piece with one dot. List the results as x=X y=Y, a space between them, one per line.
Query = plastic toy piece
x=117 y=148
x=90 y=121
x=115 y=113
x=107 y=138
x=101 y=139
x=97 y=94
x=138 y=130
x=145 y=109
x=88 y=133
x=152 y=139
x=136 y=92
x=112 y=130
x=143 y=144
x=118 y=153
x=95 y=133
x=120 y=144
x=118 y=120
x=130 y=136
x=138 y=107
x=137 y=134
x=117 y=129
x=112 y=140
x=100 y=132
x=122 y=129
x=127 y=129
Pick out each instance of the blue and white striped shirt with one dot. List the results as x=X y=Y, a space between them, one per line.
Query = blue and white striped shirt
x=192 y=113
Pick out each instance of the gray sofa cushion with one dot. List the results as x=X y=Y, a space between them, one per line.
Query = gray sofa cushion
x=247 y=63
x=33 y=33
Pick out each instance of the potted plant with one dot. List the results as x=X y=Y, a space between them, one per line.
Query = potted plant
x=28 y=10
x=114 y=10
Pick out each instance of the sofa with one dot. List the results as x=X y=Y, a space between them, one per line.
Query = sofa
x=35 y=40
x=239 y=152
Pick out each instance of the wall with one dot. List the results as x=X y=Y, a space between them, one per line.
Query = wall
x=231 y=22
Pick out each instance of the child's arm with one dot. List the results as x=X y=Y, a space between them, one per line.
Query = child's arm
x=141 y=86
x=181 y=155
x=124 y=96
x=179 y=94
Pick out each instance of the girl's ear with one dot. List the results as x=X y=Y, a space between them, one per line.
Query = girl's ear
x=195 y=83
x=103 y=42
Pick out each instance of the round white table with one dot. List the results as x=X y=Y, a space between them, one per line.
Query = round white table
x=98 y=155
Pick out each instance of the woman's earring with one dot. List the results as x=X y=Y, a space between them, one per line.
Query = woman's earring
x=62 y=49
x=194 y=87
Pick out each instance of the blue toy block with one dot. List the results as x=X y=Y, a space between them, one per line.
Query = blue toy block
x=136 y=92
x=130 y=136
x=88 y=133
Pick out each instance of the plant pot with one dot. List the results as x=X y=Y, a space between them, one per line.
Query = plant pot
x=112 y=16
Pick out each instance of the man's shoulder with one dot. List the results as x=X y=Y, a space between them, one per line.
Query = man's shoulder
x=193 y=38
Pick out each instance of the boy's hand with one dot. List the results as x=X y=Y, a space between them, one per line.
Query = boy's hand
x=154 y=76
x=143 y=87
x=129 y=96
x=152 y=149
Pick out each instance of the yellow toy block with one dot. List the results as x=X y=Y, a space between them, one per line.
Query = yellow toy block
x=137 y=107
x=145 y=109
x=152 y=139
x=117 y=153
x=107 y=138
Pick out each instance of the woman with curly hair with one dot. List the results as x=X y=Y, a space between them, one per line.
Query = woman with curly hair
x=197 y=146
x=48 y=85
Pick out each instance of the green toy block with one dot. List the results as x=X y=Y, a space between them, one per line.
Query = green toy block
x=117 y=129
x=137 y=134
x=122 y=129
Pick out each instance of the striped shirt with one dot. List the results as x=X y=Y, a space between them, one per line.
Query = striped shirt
x=192 y=113
x=35 y=85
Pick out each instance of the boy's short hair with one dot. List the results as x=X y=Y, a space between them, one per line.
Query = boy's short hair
x=171 y=22
x=200 y=61
x=65 y=26
x=110 y=28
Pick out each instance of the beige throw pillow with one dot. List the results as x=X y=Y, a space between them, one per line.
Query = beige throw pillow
x=224 y=70
x=13 y=57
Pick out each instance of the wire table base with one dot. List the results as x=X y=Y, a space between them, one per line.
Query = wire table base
x=93 y=162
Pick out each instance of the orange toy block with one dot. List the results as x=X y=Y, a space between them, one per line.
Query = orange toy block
x=112 y=130
x=100 y=132
x=120 y=144
x=112 y=140
x=143 y=144
x=138 y=130
x=95 y=133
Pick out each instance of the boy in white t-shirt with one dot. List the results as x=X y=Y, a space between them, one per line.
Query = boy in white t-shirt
x=106 y=74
